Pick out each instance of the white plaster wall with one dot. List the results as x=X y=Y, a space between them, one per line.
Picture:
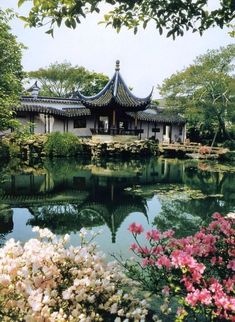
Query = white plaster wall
x=39 y=123
x=81 y=131
x=159 y=135
x=23 y=120
x=149 y=133
x=175 y=133
x=144 y=127
x=57 y=125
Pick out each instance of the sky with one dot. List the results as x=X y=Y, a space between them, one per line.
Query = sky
x=146 y=58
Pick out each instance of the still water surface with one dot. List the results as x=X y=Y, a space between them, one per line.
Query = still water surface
x=66 y=195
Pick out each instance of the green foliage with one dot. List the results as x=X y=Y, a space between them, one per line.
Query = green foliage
x=63 y=80
x=10 y=71
x=229 y=144
x=204 y=93
x=22 y=132
x=173 y=16
x=62 y=144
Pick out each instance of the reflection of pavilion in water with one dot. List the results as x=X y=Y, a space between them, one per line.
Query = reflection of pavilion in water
x=6 y=221
x=85 y=196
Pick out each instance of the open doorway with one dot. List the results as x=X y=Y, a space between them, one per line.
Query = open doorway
x=104 y=124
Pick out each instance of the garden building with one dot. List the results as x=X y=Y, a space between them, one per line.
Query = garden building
x=113 y=114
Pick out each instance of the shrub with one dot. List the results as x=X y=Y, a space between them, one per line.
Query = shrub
x=46 y=281
x=62 y=144
x=230 y=144
x=4 y=150
x=197 y=270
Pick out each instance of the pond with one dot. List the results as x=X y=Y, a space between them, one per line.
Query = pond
x=66 y=195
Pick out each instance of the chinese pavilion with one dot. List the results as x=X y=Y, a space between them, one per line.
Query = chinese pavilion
x=111 y=114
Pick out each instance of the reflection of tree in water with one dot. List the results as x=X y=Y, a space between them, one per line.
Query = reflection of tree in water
x=67 y=218
x=62 y=219
x=6 y=222
x=186 y=215
x=208 y=182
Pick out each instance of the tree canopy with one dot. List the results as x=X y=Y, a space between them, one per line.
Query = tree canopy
x=63 y=80
x=11 y=72
x=173 y=16
x=205 y=93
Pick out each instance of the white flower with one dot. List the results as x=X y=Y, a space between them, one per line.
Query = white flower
x=5 y=280
x=117 y=319
x=66 y=238
x=35 y=229
x=113 y=308
x=83 y=232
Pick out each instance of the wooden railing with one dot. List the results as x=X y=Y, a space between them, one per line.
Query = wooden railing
x=117 y=131
x=192 y=147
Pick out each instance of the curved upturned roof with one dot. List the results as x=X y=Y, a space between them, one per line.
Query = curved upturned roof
x=116 y=93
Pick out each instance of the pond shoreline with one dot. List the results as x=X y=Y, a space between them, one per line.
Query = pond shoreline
x=40 y=146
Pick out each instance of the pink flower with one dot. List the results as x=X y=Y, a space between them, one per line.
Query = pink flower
x=157 y=250
x=205 y=296
x=136 y=228
x=166 y=290
x=213 y=260
x=193 y=297
x=134 y=247
x=216 y=215
x=168 y=234
x=153 y=234
x=229 y=283
x=216 y=287
x=147 y=262
x=222 y=300
x=163 y=261
x=231 y=264
x=188 y=284
x=144 y=250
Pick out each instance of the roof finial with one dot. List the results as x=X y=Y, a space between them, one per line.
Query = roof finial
x=117 y=65
x=34 y=90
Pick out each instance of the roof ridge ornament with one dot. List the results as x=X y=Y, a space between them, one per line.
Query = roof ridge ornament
x=117 y=68
x=34 y=90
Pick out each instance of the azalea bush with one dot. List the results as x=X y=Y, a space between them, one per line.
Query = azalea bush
x=197 y=271
x=43 y=280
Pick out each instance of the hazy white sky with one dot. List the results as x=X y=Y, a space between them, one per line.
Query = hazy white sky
x=146 y=58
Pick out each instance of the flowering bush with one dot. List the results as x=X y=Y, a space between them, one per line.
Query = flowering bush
x=197 y=270
x=43 y=280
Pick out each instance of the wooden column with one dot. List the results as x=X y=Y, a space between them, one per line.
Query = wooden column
x=136 y=120
x=45 y=123
x=49 y=123
x=114 y=119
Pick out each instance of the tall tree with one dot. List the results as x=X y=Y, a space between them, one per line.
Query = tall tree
x=63 y=79
x=11 y=72
x=205 y=93
x=174 y=16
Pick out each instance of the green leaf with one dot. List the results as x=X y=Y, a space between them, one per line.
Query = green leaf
x=73 y=23
x=67 y=23
x=25 y=19
x=50 y=32
x=20 y=2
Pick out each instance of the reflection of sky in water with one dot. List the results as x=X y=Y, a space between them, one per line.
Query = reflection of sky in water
x=95 y=194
